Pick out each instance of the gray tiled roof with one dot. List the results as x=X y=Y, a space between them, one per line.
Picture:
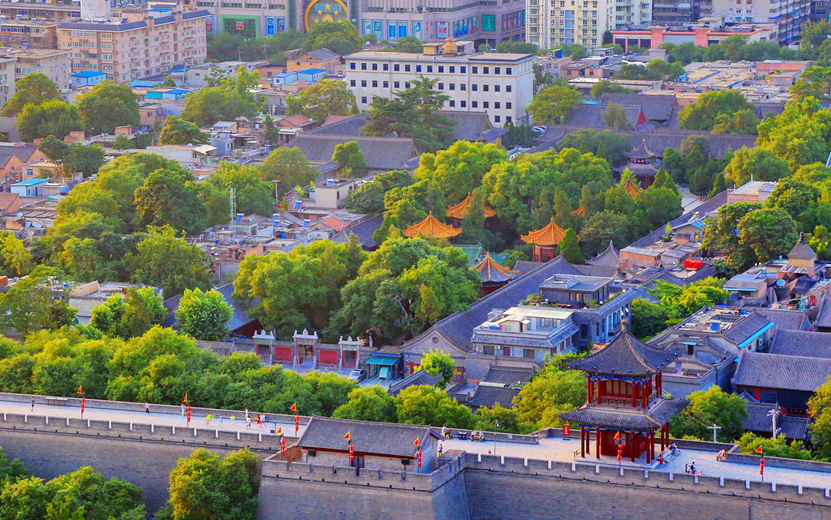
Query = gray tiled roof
x=351 y=126
x=758 y=420
x=458 y=327
x=469 y=125
x=490 y=395
x=367 y=437
x=363 y=230
x=625 y=355
x=22 y=152
x=745 y=327
x=785 y=319
x=656 y=107
x=658 y=414
x=419 y=378
x=508 y=375
x=799 y=373
x=801 y=343
x=380 y=153
x=609 y=257
x=324 y=54
x=824 y=313
x=802 y=251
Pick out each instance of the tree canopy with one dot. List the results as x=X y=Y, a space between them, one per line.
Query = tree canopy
x=179 y=131
x=52 y=117
x=204 y=315
x=107 y=106
x=552 y=105
x=287 y=167
x=709 y=407
x=34 y=88
x=436 y=363
x=716 y=108
x=322 y=99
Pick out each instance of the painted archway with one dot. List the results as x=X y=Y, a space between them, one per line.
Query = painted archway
x=324 y=11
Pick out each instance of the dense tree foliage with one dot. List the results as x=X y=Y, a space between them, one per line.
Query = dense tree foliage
x=413 y=112
x=204 y=315
x=252 y=194
x=34 y=88
x=341 y=37
x=757 y=164
x=674 y=304
x=709 y=407
x=171 y=197
x=369 y=197
x=800 y=135
x=606 y=144
x=437 y=362
x=130 y=315
x=168 y=261
x=225 y=101
x=15 y=259
x=179 y=131
x=422 y=404
x=368 y=403
x=322 y=99
x=716 y=108
x=552 y=105
x=53 y=117
x=287 y=167
x=554 y=390
x=779 y=447
x=107 y=106
x=351 y=160
x=36 y=302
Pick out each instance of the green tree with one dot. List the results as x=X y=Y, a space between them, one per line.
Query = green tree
x=167 y=261
x=204 y=315
x=497 y=419
x=602 y=227
x=350 y=158
x=204 y=486
x=437 y=362
x=778 y=447
x=459 y=169
x=757 y=164
x=131 y=315
x=648 y=318
x=679 y=302
x=709 y=407
x=251 y=193
x=801 y=134
x=820 y=406
x=768 y=232
x=53 y=117
x=703 y=114
x=223 y=100
x=15 y=259
x=323 y=99
x=300 y=289
x=415 y=113
x=606 y=144
x=341 y=37
x=107 y=106
x=408 y=44
x=814 y=82
x=34 y=88
x=31 y=305
x=659 y=205
x=553 y=390
x=605 y=86
x=742 y=122
x=795 y=197
x=570 y=249
x=423 y=404
x=83 y=158
x=553 y=104
x=287 y=167
x=170 y=197
x=369 y=403
x=615 y=117
x=369 y=196
x=179 y=131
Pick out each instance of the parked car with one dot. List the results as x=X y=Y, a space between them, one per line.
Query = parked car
x=357 y=375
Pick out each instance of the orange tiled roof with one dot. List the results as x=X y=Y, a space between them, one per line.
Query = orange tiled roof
x=549 y=235
x=490 y=270
x=458 y=211
x=431 y=227
x=632 y=188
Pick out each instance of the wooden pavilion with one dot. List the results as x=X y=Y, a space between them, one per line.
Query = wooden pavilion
x=492 y=275
x=458 y=211
x=545 y=241
x=642 y=162
x=624 y=405
x=431 y=227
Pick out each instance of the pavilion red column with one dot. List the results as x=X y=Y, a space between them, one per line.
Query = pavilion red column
x=597 y=442
x=635 y=388
x=648 y=448
x=630 y=438
x=645 y=396
x=589 y=388
x=659 y=385
x=582 y=442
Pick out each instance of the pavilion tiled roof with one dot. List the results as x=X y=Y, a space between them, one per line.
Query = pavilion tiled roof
x=625 y=355
x=394 y=440
x=609 y=257
x=802 y=251
x=640 y=152
x=658 y=414
x=490 y=271
x=458 y=211
x=431 y=227
x=549 y=235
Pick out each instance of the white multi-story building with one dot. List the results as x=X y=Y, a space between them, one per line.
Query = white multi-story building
x=552 y=23
x=502 y=85
x=788 y=16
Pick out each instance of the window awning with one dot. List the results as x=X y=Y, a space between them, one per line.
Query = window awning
x=383 y=361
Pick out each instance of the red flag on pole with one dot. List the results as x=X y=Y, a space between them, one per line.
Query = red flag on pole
x=293 y=407
x=348 y=436
x=279 y=431
x=762 y=467
x=760 y=449
x=80 y=390
x=617 y=436
x=83 y=404
x=185 y=400
x=417 y=442
x=419 y=459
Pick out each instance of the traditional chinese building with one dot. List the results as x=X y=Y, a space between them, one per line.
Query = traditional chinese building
x=458 y=211
x=545 y=241
x=624 y=405
x=431 y=227
x=493 y=275
x=642 y=163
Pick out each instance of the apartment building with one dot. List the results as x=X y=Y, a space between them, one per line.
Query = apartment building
x=671 y=12
x=53 y=63
x=502 y=85
x=33 y=33
x=552 y=23
x=630 y=13
x=787 y=16
x=139 y=45
x=7 y=79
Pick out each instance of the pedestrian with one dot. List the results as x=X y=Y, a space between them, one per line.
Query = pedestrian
x=247 y=420
x=259 y=420
x=147 y=408
x=183 y=409
x=246 y=414
x=444 y=432
x=686 y=468
x=33 y=402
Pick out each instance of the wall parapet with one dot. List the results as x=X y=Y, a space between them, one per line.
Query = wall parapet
x=140 y=432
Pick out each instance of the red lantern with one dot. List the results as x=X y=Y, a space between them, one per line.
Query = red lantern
x=351 y=453
x=566 y=429
x=619 y=451
x=419 y=459
x=762 y=466
x=188 y=414
x=283 y=446
x=83 y=404
x=296 y=424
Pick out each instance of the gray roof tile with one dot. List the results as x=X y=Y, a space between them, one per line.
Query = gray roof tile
x=367 y=437
x=799 y=373
x=625 y=355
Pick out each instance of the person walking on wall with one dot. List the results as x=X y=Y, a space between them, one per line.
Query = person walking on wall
x=147 y=408
x=33 y=403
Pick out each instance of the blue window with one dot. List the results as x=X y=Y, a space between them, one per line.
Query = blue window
x=418 y=68
x=352 y=65
x=463 y=69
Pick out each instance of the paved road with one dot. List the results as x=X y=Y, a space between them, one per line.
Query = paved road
x=222 y=423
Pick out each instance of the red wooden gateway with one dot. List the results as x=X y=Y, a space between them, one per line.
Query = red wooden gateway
x=624 y=409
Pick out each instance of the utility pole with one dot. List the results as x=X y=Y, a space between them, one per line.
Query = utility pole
x=715 y=429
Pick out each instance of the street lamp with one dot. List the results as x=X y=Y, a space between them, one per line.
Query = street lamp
x=773 y=413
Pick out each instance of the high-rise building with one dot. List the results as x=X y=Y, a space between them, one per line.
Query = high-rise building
x=788 y=16
x=136 y=46
x=630 y=13
x=820 y=10
x=552 y=23
x=671 y=12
